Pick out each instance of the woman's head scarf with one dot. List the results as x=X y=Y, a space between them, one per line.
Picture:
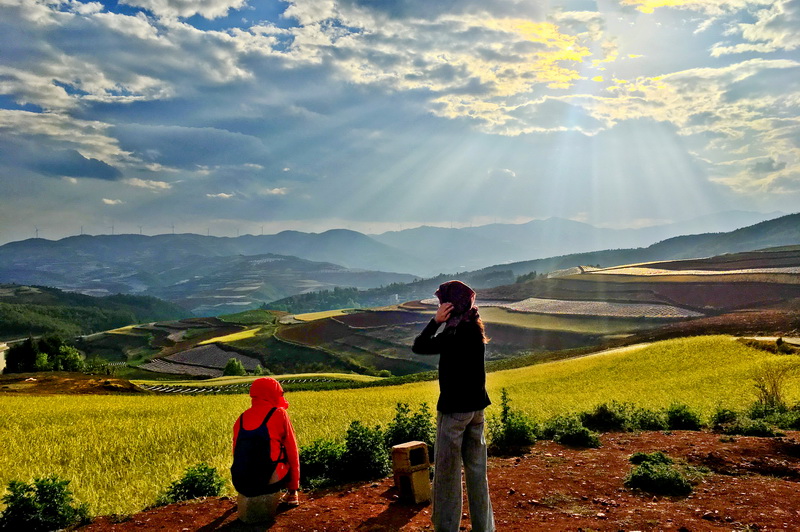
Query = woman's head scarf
x=268 y=390
x=462 y=298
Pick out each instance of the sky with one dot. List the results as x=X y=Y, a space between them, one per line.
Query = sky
x=230 y=117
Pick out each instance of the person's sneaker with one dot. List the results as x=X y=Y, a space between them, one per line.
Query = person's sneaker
x=291 y=499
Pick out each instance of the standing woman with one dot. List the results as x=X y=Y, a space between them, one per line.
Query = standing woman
x=265 y=458
x=460 y=418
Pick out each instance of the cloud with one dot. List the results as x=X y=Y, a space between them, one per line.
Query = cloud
x=209 y=9
x=281 y=191
x=112 y=201
x=148 y=184
x=502 y=173
x=70 y=163
x=221 y=195
x=775 y=29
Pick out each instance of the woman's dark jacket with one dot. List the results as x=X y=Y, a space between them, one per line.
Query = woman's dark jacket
x=462 y=375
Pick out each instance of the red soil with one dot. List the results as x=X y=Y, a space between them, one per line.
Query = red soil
x=752 y=485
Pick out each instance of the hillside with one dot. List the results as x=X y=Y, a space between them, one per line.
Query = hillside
x=37 y=310
x=783 y=231
x=471 y=248
x=185 y=269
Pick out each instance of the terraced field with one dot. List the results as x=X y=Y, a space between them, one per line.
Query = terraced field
x=601 y=308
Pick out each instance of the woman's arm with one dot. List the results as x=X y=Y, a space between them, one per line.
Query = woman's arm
x=426 y=343
x=290 y=443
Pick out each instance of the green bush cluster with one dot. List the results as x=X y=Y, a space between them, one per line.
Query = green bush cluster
x=609 y=417
x=569 y=430
x=513 y=433
x=45 y=504
x=49 y=353
x=200 y=480
x=234 y=367
x=406 y=426
x=364 y=455
x=656 y=473
x=758 y=420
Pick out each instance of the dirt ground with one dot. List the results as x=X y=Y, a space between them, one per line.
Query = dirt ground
x=749 y=484
x=64 y=383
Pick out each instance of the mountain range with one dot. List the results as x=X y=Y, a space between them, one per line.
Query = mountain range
x=213 y=275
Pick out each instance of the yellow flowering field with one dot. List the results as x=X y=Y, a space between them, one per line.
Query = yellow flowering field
x=121 y=451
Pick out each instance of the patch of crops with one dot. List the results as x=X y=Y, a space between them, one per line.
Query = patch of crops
x=211 y=356
x=251 y=317
x=311 y=316
x=314 y=333
x=382 y=318
x=161 y=365
x=577 y=324
x=241 y=335
x=601 y=308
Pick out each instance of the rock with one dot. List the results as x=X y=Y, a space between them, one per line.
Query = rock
x=512 y=491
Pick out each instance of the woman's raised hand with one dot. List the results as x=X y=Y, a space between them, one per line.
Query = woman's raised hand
x=443 y=313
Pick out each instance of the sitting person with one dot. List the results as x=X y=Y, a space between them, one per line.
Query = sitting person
x=265 y=457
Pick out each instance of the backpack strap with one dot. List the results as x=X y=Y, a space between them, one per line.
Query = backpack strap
x=269 y=415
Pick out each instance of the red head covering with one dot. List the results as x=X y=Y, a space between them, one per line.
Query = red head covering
x=268 y=390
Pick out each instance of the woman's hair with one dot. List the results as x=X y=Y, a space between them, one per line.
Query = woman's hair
x=474 y=317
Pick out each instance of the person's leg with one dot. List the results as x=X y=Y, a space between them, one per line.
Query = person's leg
x=260 y=509
x=474 y=455
x=447 y=471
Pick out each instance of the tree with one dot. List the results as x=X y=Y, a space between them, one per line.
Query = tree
x=234 y=367
x=21 y=358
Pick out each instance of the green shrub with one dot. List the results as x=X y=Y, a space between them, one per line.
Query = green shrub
x=365 y=456
x=609 y=417
x=513 y=433
x=681 y=417
x=569 y=430
x=234 y=367
x=407 y=427
x=44 y=505
x=723 y=417
x=656 y=457
x=200 y=480
x=659 y=478
x=789 y=419
x=750 y=427
x=644 y=419
x=321 y=463
x=761 y=410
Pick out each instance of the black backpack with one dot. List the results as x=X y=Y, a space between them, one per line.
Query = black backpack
x=252 y=464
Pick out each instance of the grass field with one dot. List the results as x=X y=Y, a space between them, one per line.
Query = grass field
x=583 y=324
x=120 y=451
x=242 y=335
x=311 y=316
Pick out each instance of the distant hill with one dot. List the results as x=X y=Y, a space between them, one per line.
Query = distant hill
x=783 y=231
x=203 y=274
x=37 y=310
x=471 y=248
x=348 y=249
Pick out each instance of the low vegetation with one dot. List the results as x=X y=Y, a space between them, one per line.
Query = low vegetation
x=43 y=505
x=656 y=473
x=200 y=480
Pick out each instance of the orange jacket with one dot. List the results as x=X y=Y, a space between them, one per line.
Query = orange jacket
x=265 y=394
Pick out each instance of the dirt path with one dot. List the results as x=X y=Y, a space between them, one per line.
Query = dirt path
x=750 y=484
